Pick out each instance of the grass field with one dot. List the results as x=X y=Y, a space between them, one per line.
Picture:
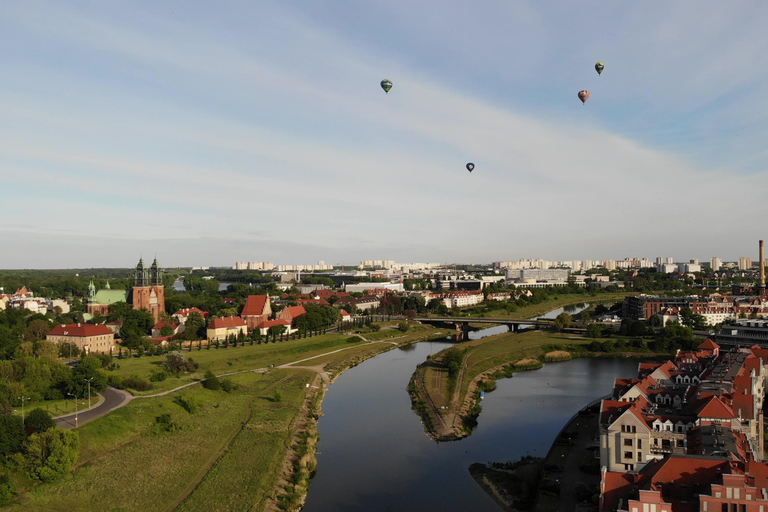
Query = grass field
x=232 y=359
x=536 y=310
x=129 y=463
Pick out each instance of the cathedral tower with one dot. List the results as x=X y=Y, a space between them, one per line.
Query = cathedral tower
x=148 y=290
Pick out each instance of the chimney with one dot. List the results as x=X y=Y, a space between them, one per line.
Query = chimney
x=761 y=267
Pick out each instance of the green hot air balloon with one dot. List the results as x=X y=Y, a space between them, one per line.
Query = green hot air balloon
x=386 y=85
x=599 y=67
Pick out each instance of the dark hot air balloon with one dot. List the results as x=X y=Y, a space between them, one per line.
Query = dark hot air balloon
x=583 y=96
x=386 y=85
x=470 y=166
x=599 y=67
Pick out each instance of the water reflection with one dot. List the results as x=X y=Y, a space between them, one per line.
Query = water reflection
x=374 y=452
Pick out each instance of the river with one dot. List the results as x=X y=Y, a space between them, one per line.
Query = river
x=373 y=454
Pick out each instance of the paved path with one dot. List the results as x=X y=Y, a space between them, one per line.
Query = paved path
x=110 y=400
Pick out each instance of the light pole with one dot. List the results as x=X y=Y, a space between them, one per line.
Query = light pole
x=23 y=399
x=75 y=397
x=89 y=390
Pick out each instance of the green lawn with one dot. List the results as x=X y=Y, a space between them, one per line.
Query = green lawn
x=129 y=464
x=232 y=359
x=536 y=310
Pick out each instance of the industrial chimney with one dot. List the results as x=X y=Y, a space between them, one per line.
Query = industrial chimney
x=761 y=267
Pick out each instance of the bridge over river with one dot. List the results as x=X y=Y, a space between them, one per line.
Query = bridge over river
x=462 y=323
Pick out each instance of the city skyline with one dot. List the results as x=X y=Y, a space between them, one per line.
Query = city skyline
x=215 y=133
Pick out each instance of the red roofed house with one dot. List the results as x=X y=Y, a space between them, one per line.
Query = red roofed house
x=709 y=348
x=87 y=337
x=256 y=310
x=264 y=326
x=220 y=328
x=290 y=313
x=176 y=326
x=345 y=317
x=182 y=314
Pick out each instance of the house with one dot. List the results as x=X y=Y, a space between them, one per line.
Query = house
x=176 y=326
x=264 y=327
x=88 y=338
x=257 y=309
x=221 y=328
x=291 y=313
x=182 y=314
x=345 y=317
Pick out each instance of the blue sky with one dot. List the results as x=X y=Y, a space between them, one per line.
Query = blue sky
x=210 y=133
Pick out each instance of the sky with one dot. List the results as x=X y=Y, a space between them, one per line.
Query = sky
x=213 y=132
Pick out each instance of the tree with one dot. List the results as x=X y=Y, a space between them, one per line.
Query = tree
x=194 y=327
x=46 y=350
x=11 y=434
x=37 y=329
x=594 y=331
x=452 y=359
x=211 y=381
x=166 y=330
x=67 y=349
x=563 y=321
x=48 y=455
x=39 y=420
x=89 y=367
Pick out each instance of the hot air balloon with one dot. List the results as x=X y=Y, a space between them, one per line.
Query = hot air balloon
x=386 y=85
x=470 y=166
x=599 y=67
x=583 y=96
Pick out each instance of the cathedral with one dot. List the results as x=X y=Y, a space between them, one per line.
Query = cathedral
x=147 y=293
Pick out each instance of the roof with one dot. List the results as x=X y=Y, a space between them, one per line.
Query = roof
x=109 y=297
x=708 y=345
x=715 y=408
x=186 y=311
x=293 y=311
x=80 y=330
x=161 y=324
x=272 y=323
x=344 y=313
x=255 y=305
x=228 y=322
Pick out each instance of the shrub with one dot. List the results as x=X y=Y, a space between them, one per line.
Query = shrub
x=354 y=339
x=7 y=490
x=403 y=327
x=211 y=381
x=48 y=455
x=188 y=403
x=227 y=385
x=165 y=423
x=11 y=434
x=276 y=397
x=137 y=383
x=158 y=377
x=116 y=381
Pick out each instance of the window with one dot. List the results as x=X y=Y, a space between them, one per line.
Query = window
x=734 y=507
x=680 y=443
x=639 y=456
x=743 y=508
x=627 y=442
x=627 y=455
x=724 y=508
x=639 y=443
x=634 y=429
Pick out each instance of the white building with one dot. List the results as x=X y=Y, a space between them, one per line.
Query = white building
x=716 y=263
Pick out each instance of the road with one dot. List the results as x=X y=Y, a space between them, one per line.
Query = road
x=113 y=399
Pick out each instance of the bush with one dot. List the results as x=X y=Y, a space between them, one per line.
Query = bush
x=354 y=339
x=50 y=454
x=11 y=434
x=137 y=383
x=211 y=381
x=276 y=397
x=116 y=381
x=188 y=403
x=403 y=327
x=158 y=377
x=227 y=385
x=175 y=363
x=7 y=490
x=165 y=423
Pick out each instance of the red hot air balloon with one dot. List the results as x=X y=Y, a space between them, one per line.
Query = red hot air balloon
x=583 y=96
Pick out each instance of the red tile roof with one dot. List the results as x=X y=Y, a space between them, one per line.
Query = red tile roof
x=80 y=330
x=708 y=345
x=294 y=311
x=229 y=322
x=272 y=323
x=161 y=324
x=715 y=408
x=319 y=302
x=344 y=313
x=255 y=305
x=186 y=311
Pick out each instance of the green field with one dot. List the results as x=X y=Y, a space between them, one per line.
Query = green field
x=232 y=359
x=536 y=310
x=129 y=463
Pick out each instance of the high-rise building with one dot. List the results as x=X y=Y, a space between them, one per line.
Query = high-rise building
x=745 y=263
x=716 y=263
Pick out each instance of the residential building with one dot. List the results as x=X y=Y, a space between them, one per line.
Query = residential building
x=88 y=338
x=182 y=314
x=222 y=328
x=290 y=313
x=716 y=264
x=264 y=327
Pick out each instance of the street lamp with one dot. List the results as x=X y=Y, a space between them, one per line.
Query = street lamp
x=23 y=399
x=89 y=390
x=75 y=397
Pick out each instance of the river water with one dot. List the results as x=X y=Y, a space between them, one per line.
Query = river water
x=373 y=454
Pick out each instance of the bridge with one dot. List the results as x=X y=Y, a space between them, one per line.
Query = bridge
x=462 y=323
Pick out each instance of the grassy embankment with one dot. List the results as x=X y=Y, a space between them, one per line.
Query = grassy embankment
x=452 y=398
x=236 y=451
x=535 y=310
